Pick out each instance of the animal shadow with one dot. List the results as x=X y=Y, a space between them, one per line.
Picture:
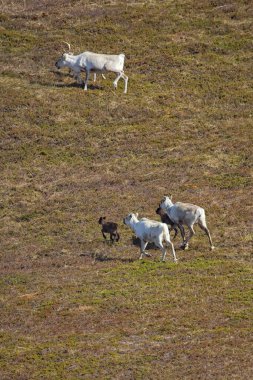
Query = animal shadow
x=60 y=75
x=103 y=258
x=136 y=241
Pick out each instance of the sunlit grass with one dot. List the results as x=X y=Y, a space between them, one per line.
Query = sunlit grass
x=74 y=306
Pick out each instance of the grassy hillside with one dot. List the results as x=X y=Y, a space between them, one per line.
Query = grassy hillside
x=74 y=307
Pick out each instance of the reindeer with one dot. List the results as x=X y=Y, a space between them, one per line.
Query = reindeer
x=110 y=228
x=96 y=63
x=150 y=231
x=172 y=226
x=76 y=73
x=188 y=214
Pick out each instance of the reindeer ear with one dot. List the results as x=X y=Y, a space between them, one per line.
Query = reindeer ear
x=137 y=214
x=170 y=196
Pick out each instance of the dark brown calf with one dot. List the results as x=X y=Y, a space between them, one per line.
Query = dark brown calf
x=109 y=228
x=166 y=219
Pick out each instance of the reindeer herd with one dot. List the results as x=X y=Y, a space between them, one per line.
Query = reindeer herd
x=173 y=215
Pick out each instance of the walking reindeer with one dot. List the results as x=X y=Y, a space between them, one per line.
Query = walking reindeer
x=188 y=214
x=93 y=62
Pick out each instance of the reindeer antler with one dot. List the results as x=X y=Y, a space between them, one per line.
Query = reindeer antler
x=67 y=44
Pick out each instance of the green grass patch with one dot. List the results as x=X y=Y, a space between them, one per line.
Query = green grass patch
x=13 y=41
x=76 y=307
x=230 y=181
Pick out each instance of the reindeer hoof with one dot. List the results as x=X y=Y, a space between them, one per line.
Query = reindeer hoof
x=212 y=248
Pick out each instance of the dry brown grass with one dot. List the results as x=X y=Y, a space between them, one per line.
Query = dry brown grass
x=74 y=307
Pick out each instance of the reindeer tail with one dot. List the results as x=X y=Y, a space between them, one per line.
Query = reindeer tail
x=166 y=233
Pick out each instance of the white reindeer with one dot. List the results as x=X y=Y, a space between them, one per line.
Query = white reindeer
x=93 y=62
x=188 y=214
x=76 y=71
x=150 y=231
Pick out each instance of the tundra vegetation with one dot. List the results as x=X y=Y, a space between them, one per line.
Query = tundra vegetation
x=73 y=307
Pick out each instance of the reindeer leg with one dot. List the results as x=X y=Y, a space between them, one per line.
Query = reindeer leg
x=115 y=83
x=111 y=237
x=86 y=80
x=161 y=247
x=79 y=79
x=176 y=232
x=182 y=231
x=143 y=246
x=173 y=252
x=123 y=75
x=192 y=232
x=204 y=228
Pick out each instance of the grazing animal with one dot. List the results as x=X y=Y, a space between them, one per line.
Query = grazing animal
x=172 y=226
x=96 y=63
x=150 y=231
x=76 y=72
x=109 y=228
x=188 y=214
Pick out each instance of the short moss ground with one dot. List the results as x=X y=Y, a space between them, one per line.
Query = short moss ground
x=74 y=306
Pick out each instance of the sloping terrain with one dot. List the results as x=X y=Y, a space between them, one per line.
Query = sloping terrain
x=73 y=306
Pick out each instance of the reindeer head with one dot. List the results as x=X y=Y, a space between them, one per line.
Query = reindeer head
x=130 y=218
x=159 y=211
x=166 y=202
x=61 y=62
x=101 y=219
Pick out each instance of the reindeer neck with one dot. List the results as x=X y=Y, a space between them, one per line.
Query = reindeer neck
x=169 y=204
x=70 y=59
x=134 y=221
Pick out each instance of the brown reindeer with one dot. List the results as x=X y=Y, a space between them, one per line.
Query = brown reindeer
x=172 y=226
x=109 y=228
